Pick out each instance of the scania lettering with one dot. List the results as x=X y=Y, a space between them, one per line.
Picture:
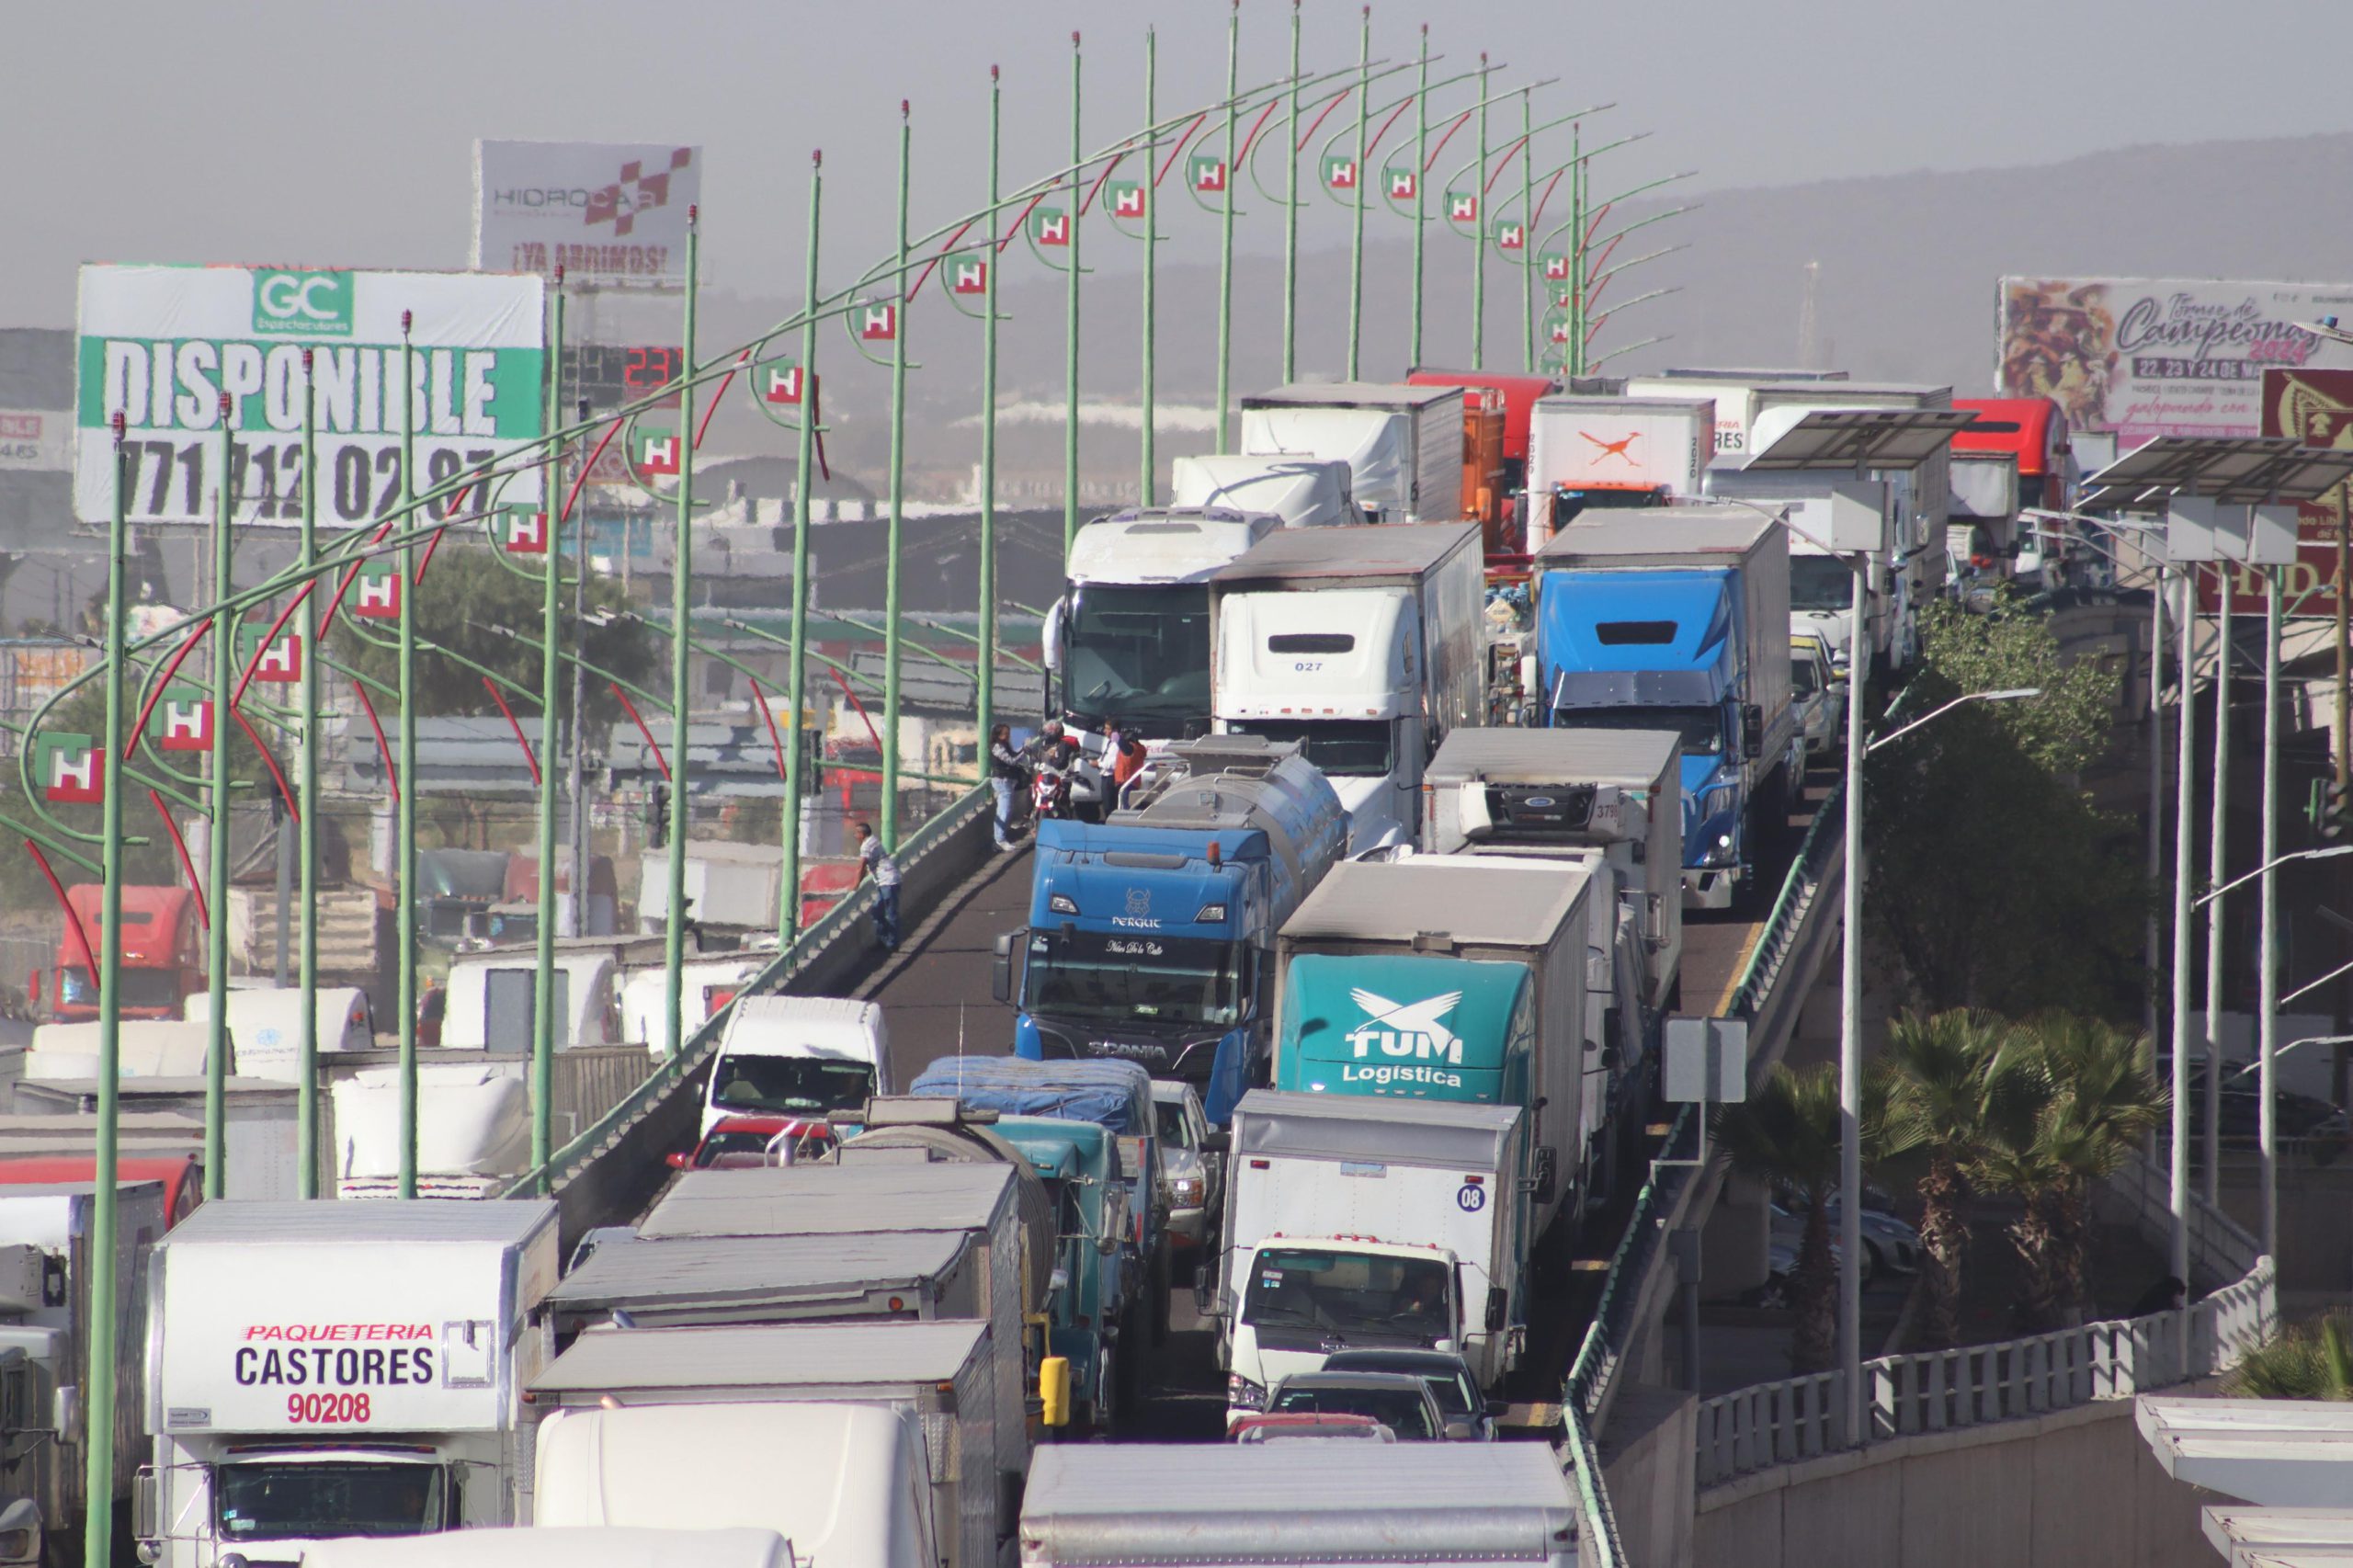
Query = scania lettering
x=324 y=1370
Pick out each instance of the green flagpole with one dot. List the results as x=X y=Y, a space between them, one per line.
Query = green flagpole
x=787 y=920
x=1478 y=237
x=1070 y=317
x=674 y=932
x=306 y=1091
x=1225 y=229
x=550 y=669
x=98 y=1410
x=1291 y=214
x=890 y=825
x=1151 y=253
x=1421 y=156
x=1356 y=232
x=1527 y=231
x=985 y=686
x=1573 y=361
x=406 y=811
x=216 y=839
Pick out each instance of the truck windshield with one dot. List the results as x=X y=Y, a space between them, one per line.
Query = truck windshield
x=1702 y=729
x=805 y=1084
x=1345 y=1293
x=140 y=987
x=1140 y=655
x=1820 y=582
x=303 y=1500
x=1156 y=979
x=1343 y=748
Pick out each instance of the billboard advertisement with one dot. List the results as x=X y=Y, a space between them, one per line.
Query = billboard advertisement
x=2315 y=407
x=37 y=439
x=2140 y=357
x=609 y=214
x=161 y=344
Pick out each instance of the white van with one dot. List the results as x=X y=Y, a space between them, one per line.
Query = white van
x=798 y=1056
x=266 y=1023
x=704 y=986
x=492 y=995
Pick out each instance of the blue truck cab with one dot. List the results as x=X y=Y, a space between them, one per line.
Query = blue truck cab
x=1676 y=618
x=1078 y=1162
x=1148 y=933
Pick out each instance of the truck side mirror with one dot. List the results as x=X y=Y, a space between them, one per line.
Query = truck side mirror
x=1205 y=1293
x=1001 y=966
x=143 y=1504
x=1498 y=1308
x=1752 y=731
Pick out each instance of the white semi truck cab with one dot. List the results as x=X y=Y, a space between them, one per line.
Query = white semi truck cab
x=317 y=1370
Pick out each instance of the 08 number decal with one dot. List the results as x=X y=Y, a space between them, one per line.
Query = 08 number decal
x=326 y=1409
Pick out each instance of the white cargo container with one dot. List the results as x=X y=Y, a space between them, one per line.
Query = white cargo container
x=325 y=1368
x=1305 y=492
x=942 y=1374
x=1299 y=1505
x=684 y=1282
x=493 y=996
x=1363 y=647
x=610 y=1546
x=473 y=1131
x=1402 y=444
x=847 y=1484
x=1614 y=451
x=267 y=1024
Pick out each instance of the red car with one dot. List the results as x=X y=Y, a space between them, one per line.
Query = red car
x=739 y=1143
x=1261 y=1428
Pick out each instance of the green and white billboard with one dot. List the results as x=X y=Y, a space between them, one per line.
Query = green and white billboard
x=161 y=344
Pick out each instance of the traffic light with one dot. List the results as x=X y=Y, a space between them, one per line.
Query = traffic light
x=2334 y=817
x=657 y=817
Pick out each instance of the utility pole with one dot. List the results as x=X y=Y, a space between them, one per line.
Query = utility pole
x=1356 y=232
x=1070 y=316
x=890 y=814
x=2184 y=916
x=550 y=669
x=1527 y=231
x=1479 y=236
x=216 y=840
x=1226 y=235
x=306 y=1058
x=674 y=932
x=1291 y=214
x=2217 y=873
x=985 y=675
x=405 y=810
x=1150 y=251
x=1421 y=157
x=787 y=920
x=2267 y=968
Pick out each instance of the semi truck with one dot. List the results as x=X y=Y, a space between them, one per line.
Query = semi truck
x=1302 y=1504
x=1504 y=513
x=46 y=1317
x=1677 y=618
x=997 y=1209
x=1148 y=935
x=1303 y=492
x=940 y=1374
x=600 y=1546
x=1402 y=444
x=321 y=1369
x=1355 y=1223
x=1404 y=980
x=1364 y=648
x=162 y=956
x=473 y=1131
x=1734 y=391
x=1591 y=453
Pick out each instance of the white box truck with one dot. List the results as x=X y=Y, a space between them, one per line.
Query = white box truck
x=1300 y=1504
x=473 y=1131
x=847 y=1484
x=1731 y=389
x=1402 y=444
x=1358 y=1223
x=1364 y=647
x=1587 y=453
x=610 y=1546
x=318 y=1369
x=941 y=1373
x=684 y=1281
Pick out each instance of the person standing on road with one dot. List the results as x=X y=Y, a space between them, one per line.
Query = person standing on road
x=1005 y=776
x=875 y=861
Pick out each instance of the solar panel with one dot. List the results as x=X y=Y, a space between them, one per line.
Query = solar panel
x=2243 y=470
x=1857 y=438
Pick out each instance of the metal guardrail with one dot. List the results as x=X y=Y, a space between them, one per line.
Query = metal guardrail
x=2220 y=1248
x=1942 y=1391
x=836 y=923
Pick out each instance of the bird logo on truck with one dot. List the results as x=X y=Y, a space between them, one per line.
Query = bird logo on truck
x=1404 y=1034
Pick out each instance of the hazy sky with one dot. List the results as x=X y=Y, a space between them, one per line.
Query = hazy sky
x=331 y=132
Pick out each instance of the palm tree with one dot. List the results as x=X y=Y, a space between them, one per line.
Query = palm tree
x=2308 y=1362
x=1788 y=1130
x=1936 y=1124
x=2068 y=1101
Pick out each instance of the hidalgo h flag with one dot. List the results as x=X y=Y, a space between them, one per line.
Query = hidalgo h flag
x=280 y=664
x=778 y=382
x=1049 y=226
x=655 y=451
x=182 y=720
x=376 y=592
x=70 y=768
x=523 y=531
x=1127 y=199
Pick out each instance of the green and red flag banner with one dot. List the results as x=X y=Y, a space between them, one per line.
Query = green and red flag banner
x=1463 y=206
x=971 y=276
x=280 y=664
x=1510 y=235
x=653 y=450
x=1561 y=330
x=1340 y=172
x=182 y=720
x=1049 y=226
x=70 y=767
x=1127 y=199
x=376 y=592
x=523 y=531
x=778 y=380
x=1402 y=185
x=1556 y=265
x=877 y=323
x=1206 y=171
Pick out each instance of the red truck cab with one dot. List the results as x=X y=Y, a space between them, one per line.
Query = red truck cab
x=162 y=961
x=1489 y=487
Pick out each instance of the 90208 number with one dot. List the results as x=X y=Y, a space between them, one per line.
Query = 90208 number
x=326 y=1409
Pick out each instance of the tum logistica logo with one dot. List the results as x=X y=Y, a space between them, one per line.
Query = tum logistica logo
x=302 y=304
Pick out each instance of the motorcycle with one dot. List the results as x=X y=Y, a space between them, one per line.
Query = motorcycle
x=1049 y=785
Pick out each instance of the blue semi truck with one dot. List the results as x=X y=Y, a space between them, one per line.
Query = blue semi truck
x=1677 y=618
x=1149 y=935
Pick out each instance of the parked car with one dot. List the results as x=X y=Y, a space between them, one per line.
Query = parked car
x=1192 y=1164
x=2302 y=1118
x=1447 y=1375
x=1402 y=1403
x=1309 y=1424
x=1890 y=1246
x=1820 y=701
x=735 y=1143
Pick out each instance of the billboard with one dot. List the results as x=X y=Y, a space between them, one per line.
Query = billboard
x=605 y=212
x=161 y=344
x=2316 y=407
x=37 y=439
x=2140 y=357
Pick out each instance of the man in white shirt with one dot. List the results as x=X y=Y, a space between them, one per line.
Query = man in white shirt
x=875 y=861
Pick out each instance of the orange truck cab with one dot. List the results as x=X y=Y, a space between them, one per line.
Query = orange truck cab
x=1495 y=446
x=162 y=963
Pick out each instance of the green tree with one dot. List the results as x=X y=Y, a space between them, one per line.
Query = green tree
x=2312 y=1361
x=468 y=603
x=2008 y=648
x=1937 y=1068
